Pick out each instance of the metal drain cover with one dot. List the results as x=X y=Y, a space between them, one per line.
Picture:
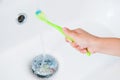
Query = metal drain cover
x=44 y=66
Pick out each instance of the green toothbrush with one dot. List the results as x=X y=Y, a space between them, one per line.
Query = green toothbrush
x=41 y=16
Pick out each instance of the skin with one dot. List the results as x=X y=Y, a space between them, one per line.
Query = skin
x=84 y=40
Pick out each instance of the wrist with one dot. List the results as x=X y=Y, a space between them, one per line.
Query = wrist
x=98 y=44
x=95 y=44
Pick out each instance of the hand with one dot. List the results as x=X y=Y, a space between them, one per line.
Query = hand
x=82 y=40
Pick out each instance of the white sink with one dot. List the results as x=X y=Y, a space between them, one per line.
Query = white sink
x=20 y=43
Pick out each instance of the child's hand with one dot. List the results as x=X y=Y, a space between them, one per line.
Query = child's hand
x=82 y=40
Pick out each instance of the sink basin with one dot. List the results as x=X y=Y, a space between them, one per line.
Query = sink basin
x=20 y=43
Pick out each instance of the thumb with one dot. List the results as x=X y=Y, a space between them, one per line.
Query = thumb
x=70 y=33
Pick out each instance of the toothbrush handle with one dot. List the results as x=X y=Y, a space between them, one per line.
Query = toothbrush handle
x=59 y=28
x=88 y=52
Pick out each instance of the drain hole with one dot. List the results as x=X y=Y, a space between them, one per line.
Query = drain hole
x=21 y=18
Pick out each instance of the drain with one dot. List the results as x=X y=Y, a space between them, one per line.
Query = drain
x=21 y=18
x=44 y=66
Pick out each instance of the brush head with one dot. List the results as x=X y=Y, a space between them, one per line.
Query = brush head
x=38 y=12
x=40 y=15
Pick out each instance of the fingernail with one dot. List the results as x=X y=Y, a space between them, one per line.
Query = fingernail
x=70 y=41
x=67 y=40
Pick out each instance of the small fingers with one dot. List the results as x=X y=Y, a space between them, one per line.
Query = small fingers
x=81 y=50
x=74 y=45
x=77 y=47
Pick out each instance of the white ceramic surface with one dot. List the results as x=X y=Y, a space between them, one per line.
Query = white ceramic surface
x=20 y=43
